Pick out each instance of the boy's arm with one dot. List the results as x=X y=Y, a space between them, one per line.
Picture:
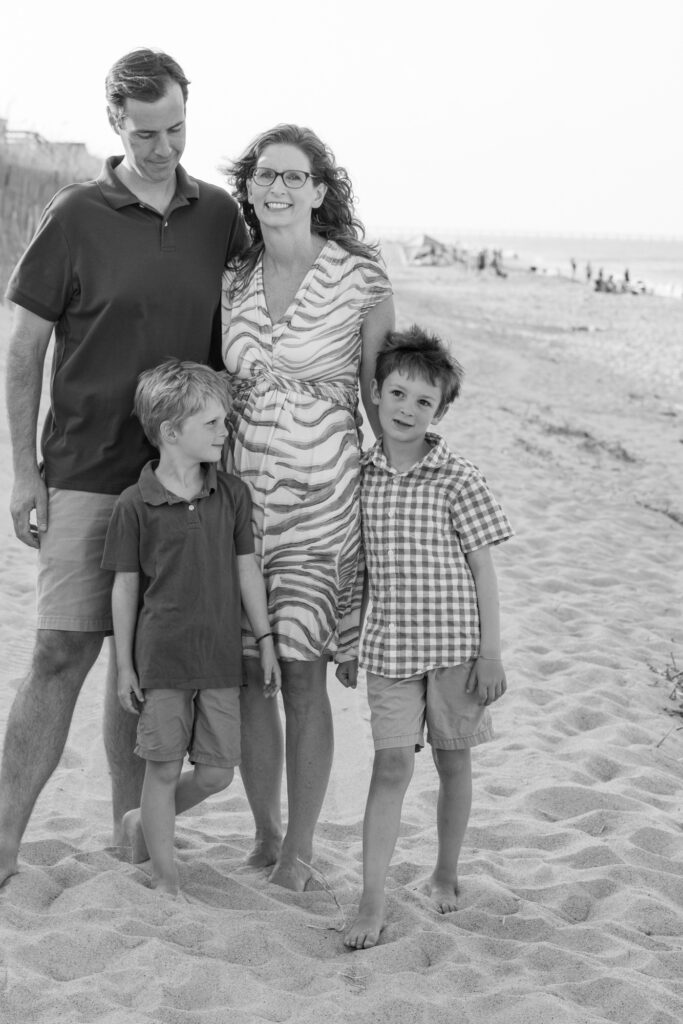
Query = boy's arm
x=488 y=674
x=124 y=609
x=253 y=591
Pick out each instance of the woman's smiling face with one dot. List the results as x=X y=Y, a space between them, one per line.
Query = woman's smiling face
x=276 y=205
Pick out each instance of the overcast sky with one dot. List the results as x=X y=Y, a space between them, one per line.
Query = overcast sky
x=528 y=115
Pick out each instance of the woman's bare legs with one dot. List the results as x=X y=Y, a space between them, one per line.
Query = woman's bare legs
x=309 y=752
x=261 y=767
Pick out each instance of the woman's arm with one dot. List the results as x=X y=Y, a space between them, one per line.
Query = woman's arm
x=380 y=320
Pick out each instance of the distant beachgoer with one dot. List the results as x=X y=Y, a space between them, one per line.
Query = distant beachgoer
x=431 y=644
x=600 y=281
x=182 y=549
x=573 y=265
x=589 y=273
x=127 y=271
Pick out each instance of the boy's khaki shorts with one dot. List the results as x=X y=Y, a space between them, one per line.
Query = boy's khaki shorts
x=204 y=724
x=73 y=593
x=399 y=709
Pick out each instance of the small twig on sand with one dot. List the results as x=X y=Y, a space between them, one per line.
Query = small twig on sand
x=330 y=892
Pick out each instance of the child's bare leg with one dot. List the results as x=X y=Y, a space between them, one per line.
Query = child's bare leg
x=157 y=814
x=194 y=785
x=452 y=814
x=391 y=773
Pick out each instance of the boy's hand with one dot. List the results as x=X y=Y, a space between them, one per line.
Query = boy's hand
x=272 y=680
x=488 y=678
x=130 y=694
x=347 y=673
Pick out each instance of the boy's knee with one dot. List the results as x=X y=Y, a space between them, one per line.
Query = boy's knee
x=394 y=766
x=452 y=762
x=210 y=779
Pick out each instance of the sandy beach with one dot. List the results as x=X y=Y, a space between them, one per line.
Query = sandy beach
x=571 y=903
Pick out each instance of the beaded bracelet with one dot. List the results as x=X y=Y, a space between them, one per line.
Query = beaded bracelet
x=260 y=638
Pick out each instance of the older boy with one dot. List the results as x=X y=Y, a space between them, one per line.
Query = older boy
x=431 y=642
x=181 y=546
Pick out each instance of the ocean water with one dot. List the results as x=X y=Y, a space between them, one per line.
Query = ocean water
x=656 y=262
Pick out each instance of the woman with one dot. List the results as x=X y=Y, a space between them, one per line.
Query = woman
x=304 y=313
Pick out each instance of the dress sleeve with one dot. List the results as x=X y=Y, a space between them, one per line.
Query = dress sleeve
x=376 y=283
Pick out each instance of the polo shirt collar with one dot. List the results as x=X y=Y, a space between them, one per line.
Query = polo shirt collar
x=437 y=455
x=154 y=493
x=117 y=195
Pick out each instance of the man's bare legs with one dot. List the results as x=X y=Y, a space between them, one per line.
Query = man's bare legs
x=452 y=814
x=126 y=769
x=309 y=751
x=37 y=729
x=261 y=766
x=392 y=771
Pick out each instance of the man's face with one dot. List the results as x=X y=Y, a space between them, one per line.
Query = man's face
x=153 y=135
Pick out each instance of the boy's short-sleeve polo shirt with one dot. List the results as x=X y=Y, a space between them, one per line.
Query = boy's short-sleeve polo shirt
x=418 y=527
x=189 y=632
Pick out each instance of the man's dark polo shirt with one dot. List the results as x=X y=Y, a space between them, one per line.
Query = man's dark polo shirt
x=189 y=634
x=127 y=289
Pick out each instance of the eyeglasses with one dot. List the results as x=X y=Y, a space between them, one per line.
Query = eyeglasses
x=266 y=176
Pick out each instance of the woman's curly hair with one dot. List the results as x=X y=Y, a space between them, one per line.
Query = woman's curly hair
x=334 y=219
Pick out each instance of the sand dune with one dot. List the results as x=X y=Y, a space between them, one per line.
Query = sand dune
x=571 y=910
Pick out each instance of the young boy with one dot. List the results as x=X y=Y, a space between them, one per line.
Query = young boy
x=181 y=546
x=431 y=641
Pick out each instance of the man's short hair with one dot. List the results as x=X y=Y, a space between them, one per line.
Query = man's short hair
x=174 y=391
x=142 y=75
x=417 y=353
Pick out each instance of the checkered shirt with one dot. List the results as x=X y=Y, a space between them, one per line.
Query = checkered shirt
x=418 y=527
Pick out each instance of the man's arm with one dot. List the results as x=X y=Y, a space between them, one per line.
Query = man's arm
x=124 y=610
x=253 y=591
x=488 y=674
x=28 y=344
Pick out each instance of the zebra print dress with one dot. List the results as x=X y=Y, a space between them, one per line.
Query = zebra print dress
x=294 y=441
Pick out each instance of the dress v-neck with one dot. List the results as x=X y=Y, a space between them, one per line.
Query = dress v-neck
x=277 y=325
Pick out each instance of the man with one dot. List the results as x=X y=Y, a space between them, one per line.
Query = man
x=127 y=271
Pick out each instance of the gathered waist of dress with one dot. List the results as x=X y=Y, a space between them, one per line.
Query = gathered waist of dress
x=343 y=395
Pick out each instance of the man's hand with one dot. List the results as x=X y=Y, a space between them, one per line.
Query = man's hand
x=130 y=694
x=29 y=495
x=347 y=673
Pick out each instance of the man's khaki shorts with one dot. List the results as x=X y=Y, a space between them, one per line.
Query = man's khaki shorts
x=399 y=709
x=72 y=592
x=205 y=724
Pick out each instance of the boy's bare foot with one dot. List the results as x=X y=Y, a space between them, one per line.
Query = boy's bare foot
x=443 y=894
x=294 y=876
x=367 y=925
x=133 y=836
x=265 y=853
